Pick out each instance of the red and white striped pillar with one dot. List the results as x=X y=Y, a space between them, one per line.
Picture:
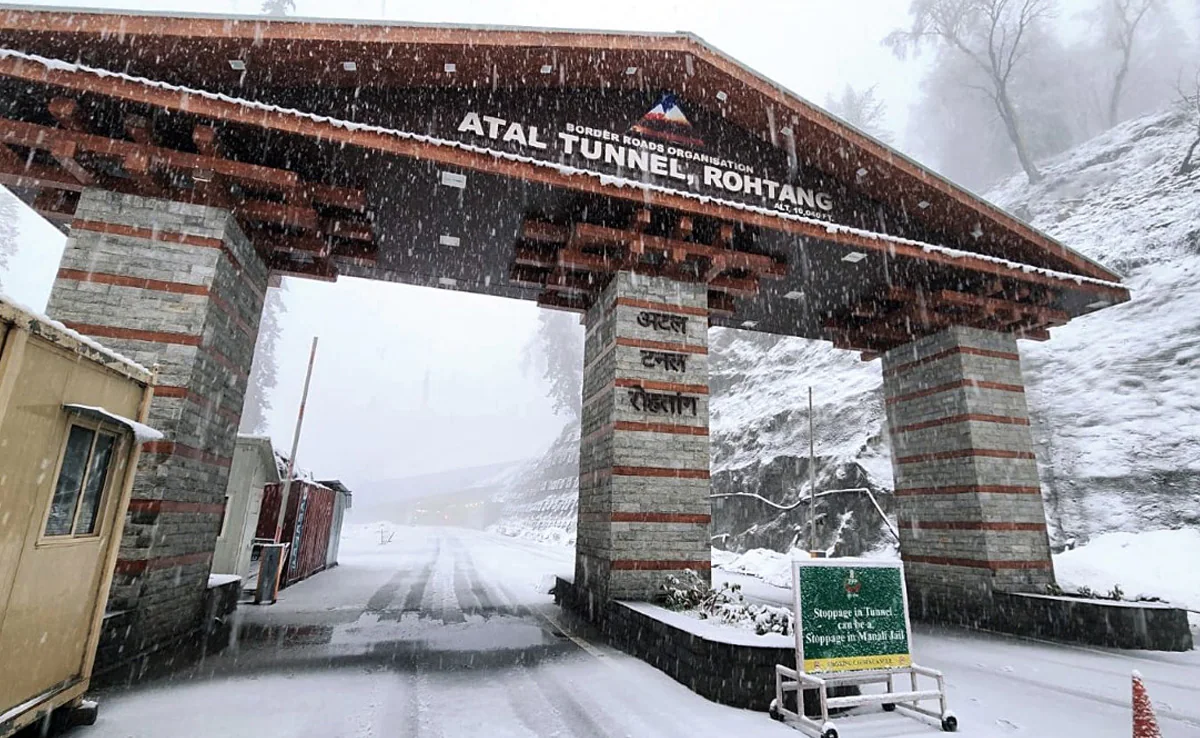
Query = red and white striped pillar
x=967 y=489
x=644 y=465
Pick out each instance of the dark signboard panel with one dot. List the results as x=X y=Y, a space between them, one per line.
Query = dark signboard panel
x=652 y=138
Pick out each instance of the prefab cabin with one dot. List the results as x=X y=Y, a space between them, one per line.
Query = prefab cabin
x=253 y=468
x=69 y=443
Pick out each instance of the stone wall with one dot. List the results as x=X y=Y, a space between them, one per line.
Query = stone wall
x=178 y=286
x=967 y=493
x=736 y=675
x=643 y=461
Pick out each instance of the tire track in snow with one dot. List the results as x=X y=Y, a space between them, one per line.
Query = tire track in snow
x=490 y=601
x=569 y=710
x=382 y=597
x=526 y=702
x=415 y=598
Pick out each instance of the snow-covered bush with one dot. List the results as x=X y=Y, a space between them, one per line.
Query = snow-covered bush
x=725 y=604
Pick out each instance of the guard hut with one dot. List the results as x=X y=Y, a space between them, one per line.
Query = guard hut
x=68 y=450
x=253 y=468
x=644 y=180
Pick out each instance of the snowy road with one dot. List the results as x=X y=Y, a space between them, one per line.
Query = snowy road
x=444 y=633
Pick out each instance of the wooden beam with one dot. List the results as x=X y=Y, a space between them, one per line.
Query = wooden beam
x=580 y=261
x=18 y=172
x=66 y=112
x=234 y=112
x=684 y=229
x=55 y=205
x=41 y=137
x=716 y=265
x=721 y=303
x=348 y=229
x=207 y=141
x=293 y=244
x=64 y=153
x=558 y=280
x=345 y=198
x=322 y=270
x=137 y=127
x=724 y=239
x=361 y=261
x=554 y=301
x=543 y=232
x=274 y=213
x=591 y=234
x=1044 y=314
x=734 y=286
x=535 y=256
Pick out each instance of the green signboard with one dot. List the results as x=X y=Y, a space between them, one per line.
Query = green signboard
x=851 y=615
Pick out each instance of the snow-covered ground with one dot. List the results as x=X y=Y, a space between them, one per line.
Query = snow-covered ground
x=441 y=632
x=1159 y=563
x=1156 y=563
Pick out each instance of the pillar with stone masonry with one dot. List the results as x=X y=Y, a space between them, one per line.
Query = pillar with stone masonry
x=968 y=495
x=178 y=285
x=644 y=508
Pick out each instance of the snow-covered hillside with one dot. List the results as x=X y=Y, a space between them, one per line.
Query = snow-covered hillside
x=1114 y=395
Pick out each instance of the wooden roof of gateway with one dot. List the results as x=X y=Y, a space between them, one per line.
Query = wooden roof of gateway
x=195 y=52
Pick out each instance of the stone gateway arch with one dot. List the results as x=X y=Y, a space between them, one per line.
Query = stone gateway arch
x=646 y=181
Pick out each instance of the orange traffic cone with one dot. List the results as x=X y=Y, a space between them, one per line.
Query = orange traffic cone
x=1144 y=723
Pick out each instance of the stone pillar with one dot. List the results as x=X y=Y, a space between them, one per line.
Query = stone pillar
x=968 y=496
x=643 y=454
x=178 y=285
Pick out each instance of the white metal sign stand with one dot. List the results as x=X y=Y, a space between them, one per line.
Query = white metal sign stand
x=788 y=680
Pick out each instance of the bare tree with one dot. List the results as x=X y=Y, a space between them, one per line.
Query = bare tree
x=1121 y=21
x=556 y=353
x=278 y=8
x=1188 y=103
x=9 y=231
x=861 y=109
x=264 y=370
x=995 y=35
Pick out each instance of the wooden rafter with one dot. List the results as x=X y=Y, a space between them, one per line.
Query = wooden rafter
x=901 y=314
x=292 y=234
x=575 y=259
x=31 y=135
x=232 y=112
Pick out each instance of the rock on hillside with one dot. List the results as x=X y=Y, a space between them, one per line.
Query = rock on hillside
x=542 y=501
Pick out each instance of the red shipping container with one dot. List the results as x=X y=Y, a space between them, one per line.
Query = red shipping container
x=306 y=526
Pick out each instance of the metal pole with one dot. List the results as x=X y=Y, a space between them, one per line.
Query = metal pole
x=291 y=467
x=812 y=478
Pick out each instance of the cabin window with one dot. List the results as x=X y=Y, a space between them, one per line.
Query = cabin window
x=82 y=479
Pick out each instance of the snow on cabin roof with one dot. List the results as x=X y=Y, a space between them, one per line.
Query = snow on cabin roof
x=38 y=324
x=604 y=179
x=141 y=432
